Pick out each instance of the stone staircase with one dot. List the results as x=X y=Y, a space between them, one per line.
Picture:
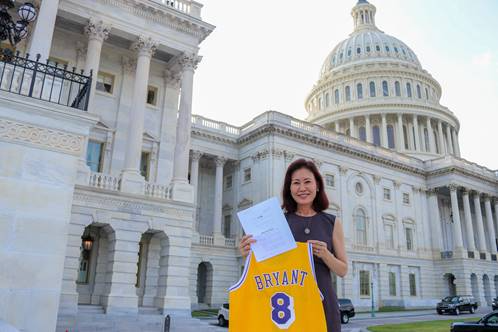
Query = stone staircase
x=92 y=318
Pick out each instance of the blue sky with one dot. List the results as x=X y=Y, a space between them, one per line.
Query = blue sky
x=267 y=55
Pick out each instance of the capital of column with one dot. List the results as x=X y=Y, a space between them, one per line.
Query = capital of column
x=432 y=191
x=172 y=78
x=486 y=197
x=189 y=61
x=343 y=170
x=220 y=161
x=129 y=65
x=318 y=163
x=475 y=193
x=144 y=46
x=377 y=179
x=288 y=156
x=453 y=187
x=196 y=155
x=466 y=191
x=97 y=29
x=397 y=184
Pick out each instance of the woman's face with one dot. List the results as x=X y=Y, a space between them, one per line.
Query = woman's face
x=303 y=187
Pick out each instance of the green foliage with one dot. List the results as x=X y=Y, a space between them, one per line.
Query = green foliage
x=427 y=326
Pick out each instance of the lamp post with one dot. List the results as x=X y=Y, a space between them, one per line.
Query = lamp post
x=12 y=31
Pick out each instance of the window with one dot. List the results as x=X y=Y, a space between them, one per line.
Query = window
x=327 y=99
x=329 y=180
x=361 y=227
x=408 y=90
x=105 y=82
x=228 y=182
x=349 y=52
x=376 y=135
x=392 y=284
x=397 y=89
x=359 y=188
x=389 y=232
x=377 y=48
x=372 y=89
x=348 y=93
x=406 y=198
x=387 y=194
x=226 y=226
x=358 y=50
x=84 y=268
x=336 y=96
x=320 y=103
x=419 y=94
x=405 y=136
x=145 y=165
x=368 y=49
x=426 y=94
x=396 y=49
x=247 y=175
x=409 y=238
x=385 y=89
x=413 y=284
x=152 y=95
x=359 y=91
x=363 y=134
x=390 y=136
x=94 y=155
x=364 y=283
x=387 y=48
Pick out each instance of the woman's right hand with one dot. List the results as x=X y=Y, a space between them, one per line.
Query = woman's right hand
x=245 y=244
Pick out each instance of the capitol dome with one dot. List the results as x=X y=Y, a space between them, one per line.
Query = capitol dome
x=372 y=87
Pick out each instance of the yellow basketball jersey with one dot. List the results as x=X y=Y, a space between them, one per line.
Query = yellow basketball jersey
x=279 y=293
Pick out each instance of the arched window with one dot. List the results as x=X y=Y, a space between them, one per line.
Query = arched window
x=377 y=48
x=348 y=93
x=358 y=50
x=336 y=96
x=385 y=89
x=405 y=136
x=359 y=91
x=376 y=135
x=320 y=104
x=372 y=89
x=387 y=48
x=426 y=94
x=327 y=99
x=368 y=49
x=363 y=134
x=426 y=139
x=397 y=89
x=349 y=52
x=419 y=93
x=390 y=136
x=361 y=227
x=408 y=90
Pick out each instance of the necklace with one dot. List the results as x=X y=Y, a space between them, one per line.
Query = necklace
x=307 y=228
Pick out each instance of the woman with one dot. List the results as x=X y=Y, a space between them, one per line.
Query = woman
x=304 y=200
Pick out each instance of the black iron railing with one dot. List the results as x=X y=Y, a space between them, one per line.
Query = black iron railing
x=47 y=81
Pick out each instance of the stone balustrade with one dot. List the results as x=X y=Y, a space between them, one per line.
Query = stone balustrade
x=104 y=181
x=206 y=240
x=189 y=7
x=229 y=242
x=157 y=190
x=218 y=126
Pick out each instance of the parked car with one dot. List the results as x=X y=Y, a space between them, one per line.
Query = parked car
x=347 y=310
x=223 y=315
x=487 y=323
x=457 y=304
x=495 y=303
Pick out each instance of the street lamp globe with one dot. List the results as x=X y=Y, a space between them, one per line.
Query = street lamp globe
x=27 y=12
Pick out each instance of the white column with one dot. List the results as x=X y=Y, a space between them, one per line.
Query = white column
x=435 y=221
x=471 y=246
x=352 y=132
x=385 y=143
x=418 y=146
x=41 y=38
x=456 y=147
x=489 y=224
x=218 y=197
x=496 y=213
x=336 y=126
x=457 y=227
x=368 y=129
x=479 y=223
x=432 y=145
x=194 y=180
x=131 y=180
x=97 y=32
x=180 y=188
x=442 y=148
x=448 y=138
x=400 y=146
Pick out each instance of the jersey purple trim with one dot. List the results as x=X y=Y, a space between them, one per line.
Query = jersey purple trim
x=244 y=273
x=312 y=262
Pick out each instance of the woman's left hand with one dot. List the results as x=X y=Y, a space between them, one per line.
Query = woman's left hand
x=319 y=248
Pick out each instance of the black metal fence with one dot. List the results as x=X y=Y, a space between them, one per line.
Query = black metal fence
x=47 y=81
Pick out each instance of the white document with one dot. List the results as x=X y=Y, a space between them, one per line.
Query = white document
x=267 y=223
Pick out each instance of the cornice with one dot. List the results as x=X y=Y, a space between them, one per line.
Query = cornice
x=455 y=169
x=217 y=138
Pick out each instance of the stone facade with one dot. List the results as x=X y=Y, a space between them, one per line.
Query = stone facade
x=139 y=211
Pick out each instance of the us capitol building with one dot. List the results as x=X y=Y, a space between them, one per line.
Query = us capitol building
x=116 y=199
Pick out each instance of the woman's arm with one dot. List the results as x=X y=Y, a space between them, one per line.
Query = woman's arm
x=337 y=263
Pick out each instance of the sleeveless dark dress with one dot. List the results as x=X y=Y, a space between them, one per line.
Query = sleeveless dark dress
x=321 y=226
